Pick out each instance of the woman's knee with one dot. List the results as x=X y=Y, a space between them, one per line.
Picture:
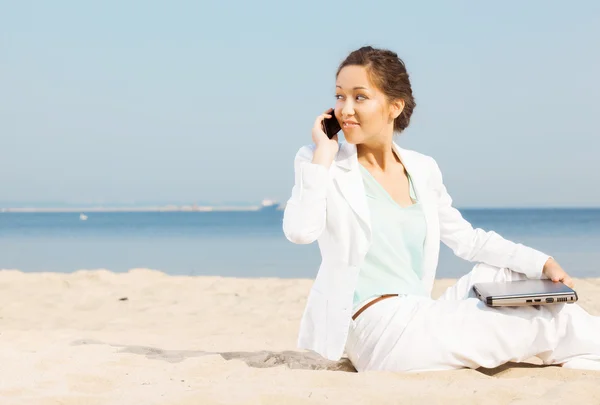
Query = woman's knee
x=483 y=272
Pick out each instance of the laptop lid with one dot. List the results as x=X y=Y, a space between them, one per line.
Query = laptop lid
x=533 y=292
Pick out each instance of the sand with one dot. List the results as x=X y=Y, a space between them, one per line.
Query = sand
x=143 y=337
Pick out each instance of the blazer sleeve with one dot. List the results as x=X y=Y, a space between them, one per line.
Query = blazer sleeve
x=305 y=212
x=477 y=245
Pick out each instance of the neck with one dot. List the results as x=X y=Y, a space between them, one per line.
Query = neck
x=377 y=155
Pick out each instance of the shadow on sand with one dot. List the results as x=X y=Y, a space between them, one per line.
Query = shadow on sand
x=497 y=371
x=260 y=359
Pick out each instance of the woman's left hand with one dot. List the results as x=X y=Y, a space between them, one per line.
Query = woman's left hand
x=554 y=272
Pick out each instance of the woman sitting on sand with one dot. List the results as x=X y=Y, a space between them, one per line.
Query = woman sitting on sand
x=379 y=212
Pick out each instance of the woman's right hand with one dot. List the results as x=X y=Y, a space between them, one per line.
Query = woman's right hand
x=326 y=148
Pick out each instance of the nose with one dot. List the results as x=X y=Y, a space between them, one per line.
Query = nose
x=347 y=109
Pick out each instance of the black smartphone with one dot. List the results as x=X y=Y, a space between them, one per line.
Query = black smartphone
x=331 y=126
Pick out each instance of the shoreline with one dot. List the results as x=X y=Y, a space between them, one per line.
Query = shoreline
x=253 y=208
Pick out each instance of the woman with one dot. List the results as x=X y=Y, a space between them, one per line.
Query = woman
x=379 y=213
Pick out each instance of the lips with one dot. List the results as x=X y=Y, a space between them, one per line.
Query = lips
x=349 y=124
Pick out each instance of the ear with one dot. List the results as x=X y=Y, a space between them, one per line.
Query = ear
x=396 y=108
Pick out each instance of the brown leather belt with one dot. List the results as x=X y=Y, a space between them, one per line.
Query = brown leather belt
x=367 y=305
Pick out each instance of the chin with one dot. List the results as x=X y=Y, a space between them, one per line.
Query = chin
x=354 y=139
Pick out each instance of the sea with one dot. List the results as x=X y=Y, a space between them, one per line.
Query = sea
x=252 y=243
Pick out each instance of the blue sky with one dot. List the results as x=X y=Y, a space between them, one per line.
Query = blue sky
x=183 y=101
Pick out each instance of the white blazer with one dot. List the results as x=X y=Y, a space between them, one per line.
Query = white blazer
x=329 y=205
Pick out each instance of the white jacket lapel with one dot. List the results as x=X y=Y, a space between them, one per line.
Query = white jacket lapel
x=419 y=174
x=350 y=183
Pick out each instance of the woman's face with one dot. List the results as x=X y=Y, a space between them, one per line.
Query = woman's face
x=361 y=108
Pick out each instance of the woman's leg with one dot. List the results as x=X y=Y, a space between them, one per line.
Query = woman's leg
x=456 y=332
x=481 y=273
x=450 y=334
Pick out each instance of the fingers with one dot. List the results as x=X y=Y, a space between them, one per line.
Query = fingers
x=319 y=132
x=569 y=281
x=566 y=280
x=319 y=121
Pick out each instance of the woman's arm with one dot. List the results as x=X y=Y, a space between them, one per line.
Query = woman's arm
x=304 y=215
x=477 y=245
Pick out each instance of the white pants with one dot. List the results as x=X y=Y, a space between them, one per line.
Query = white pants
x=411 y=333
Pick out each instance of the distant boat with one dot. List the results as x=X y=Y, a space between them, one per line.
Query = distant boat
x=83 y=217
x=268 y=205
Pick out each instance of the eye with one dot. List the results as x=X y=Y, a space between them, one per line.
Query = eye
x=337 y=96
x=360 y=95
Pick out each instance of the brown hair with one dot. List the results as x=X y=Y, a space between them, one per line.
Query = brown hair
x=388 y=72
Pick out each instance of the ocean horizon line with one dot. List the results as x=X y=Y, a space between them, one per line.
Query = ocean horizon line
x=244 y=208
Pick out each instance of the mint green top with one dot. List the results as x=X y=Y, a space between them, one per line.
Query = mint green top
x=394 y=261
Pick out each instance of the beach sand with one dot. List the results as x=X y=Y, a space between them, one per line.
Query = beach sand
x=143 y=337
